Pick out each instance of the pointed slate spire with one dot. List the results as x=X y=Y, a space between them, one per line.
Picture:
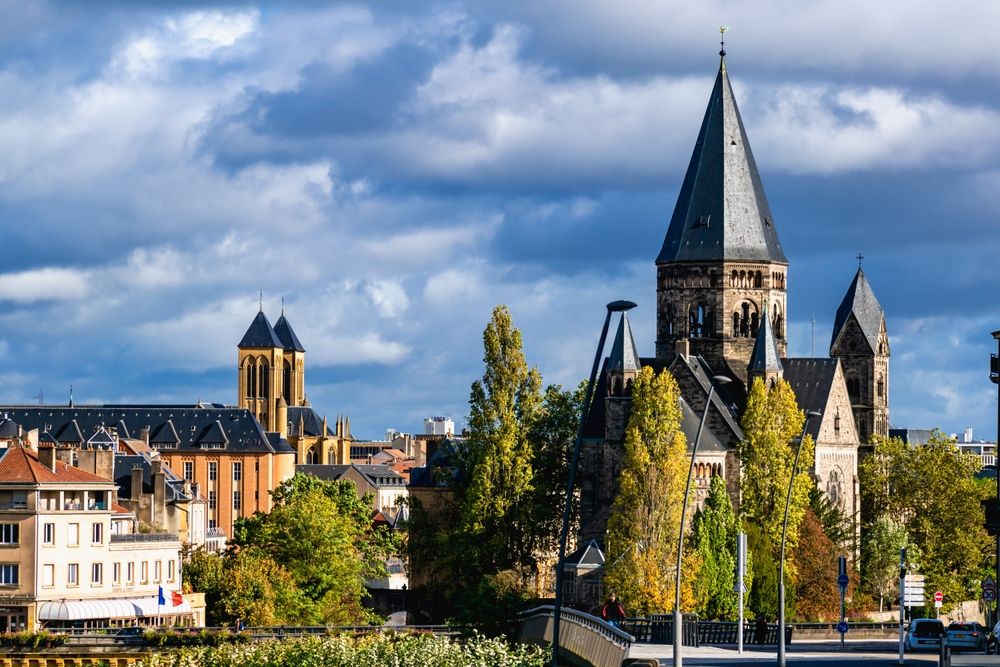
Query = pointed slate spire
x=860 y=300
x=765 y=358
x=722 y=211
x=623 y=356
x=283 y=330
x=260 y=334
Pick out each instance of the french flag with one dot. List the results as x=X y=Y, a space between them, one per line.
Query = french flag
x=176 y=598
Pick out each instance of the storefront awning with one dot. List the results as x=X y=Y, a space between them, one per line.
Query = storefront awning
x=109 y=608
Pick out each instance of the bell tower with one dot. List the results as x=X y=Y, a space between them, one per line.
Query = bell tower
x=270 y=363
x=721 y=265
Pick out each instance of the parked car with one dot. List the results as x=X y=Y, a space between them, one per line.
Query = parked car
x=131 y=635
x=924 y=634
x=966 y=635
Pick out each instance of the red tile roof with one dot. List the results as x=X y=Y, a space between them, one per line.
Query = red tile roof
x=20 y=466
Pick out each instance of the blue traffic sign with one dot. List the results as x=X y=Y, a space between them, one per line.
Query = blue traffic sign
x=842 y=627
x=843 y=580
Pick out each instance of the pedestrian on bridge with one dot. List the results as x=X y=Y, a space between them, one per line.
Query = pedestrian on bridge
x=613 y=612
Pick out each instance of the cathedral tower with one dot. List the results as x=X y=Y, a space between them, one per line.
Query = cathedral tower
x=721 y=265
x=271 y=371
x=861 y=343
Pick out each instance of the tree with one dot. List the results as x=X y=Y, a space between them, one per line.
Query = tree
x=838 y=526
x=713 y=536
x=933 y=491
x=645 y=517
x=817 y=596
x=503 y=407
x=880 y=545
x=763 y=598
x=771 y=423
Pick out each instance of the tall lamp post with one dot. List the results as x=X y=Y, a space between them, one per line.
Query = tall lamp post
x=678 y=617
x=613 y=307
x=784 y=531
x=995 y=377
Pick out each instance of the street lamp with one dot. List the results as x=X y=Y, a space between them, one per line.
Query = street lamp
x=613 y=307
x=784 y=531
x=678 y=618
x=995 y=377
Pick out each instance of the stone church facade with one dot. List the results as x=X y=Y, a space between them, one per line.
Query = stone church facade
x=722 y=281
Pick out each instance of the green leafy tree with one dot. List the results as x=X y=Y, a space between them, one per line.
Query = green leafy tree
x=503 y=407
x=714 y=536
x=837 y=525
x=771 y=423
x=763 y=598
x=880 y=545
x=932 y=489
x=645 y=517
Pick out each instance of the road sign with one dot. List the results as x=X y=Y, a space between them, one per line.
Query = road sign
x=938 y=596
x=989 y=595
x=842 y=627
x=843 y=580
x=913 y=590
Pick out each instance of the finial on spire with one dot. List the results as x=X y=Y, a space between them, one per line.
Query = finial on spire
x=261 y=302
x=722 y=44
x=282 y=305
x=860 y=257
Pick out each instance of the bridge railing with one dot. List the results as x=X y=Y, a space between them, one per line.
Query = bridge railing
x=587 y=638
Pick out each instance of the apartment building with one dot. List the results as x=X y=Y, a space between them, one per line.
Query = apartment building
x=71 y=557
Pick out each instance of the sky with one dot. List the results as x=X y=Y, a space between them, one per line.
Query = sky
x=394 y=170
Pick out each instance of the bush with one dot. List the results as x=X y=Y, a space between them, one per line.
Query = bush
x=193 y=637
x=32 y=640
x=373 y=650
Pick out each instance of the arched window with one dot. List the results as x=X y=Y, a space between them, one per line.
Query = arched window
x=743 y=279
x=311 y=457
x=758 y=280
x=754 y=325
x=834 y=487
x=265 y=379
x=286 y=382
x=881 y=387
x=732 y=278
x=250 y=377
x=696 y=321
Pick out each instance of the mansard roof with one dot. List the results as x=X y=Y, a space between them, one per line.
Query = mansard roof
x=289 y=341
x=859 y=301
x=180 y=427
x=623 y=355
x=765 y=356
x=260 y=334
x=722 y=212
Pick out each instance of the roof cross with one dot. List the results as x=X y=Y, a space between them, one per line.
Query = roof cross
x=860 y=257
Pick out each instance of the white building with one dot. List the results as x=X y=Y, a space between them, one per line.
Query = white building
x=439 y=426
x=69 y=556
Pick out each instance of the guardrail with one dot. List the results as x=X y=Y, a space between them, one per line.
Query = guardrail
x=133 y=635
x=581 y=635
x=127 y=538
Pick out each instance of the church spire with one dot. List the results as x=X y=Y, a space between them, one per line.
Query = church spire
x=860 y=301
x=623 y=355
x=765 y=362
x=722 y=212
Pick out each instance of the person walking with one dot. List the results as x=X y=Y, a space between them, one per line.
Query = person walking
x=613 y=612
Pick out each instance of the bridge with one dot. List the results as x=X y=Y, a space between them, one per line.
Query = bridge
x=584 y=640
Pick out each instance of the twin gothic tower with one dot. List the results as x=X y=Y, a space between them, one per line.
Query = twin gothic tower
x=722 y=270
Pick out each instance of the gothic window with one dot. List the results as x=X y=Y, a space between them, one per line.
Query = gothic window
x=311 y=458
x=834 y=487
x=265 y=379
x=854 y=389
x=881 y=387
x=286 y=382
x=250 y=371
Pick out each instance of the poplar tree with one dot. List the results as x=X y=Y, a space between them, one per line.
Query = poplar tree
x=497 y=457
x=645 y=517
x=713 y=536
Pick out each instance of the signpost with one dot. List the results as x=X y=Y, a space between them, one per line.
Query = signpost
x=938 y=598
x=902 y=607
x=842 y=581
x=913 y=590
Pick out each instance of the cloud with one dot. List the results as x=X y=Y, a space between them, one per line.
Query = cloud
x=46 y=284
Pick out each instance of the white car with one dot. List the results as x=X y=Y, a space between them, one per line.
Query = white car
x=924 y=634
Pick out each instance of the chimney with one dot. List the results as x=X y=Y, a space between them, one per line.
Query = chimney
x=47 y=456
x=86 y=459
x=159 y=492
x=104 y=465
x=144 y=434
x=136 y=483
x=64 y=454
x=683 y=347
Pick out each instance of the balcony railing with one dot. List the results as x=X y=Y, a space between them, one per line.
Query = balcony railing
x=132 y=538
x=14 y=505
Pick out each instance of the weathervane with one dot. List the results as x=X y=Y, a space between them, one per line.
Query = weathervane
x=722 y=39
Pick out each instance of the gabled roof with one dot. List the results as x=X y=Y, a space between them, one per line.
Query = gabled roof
x=70 y=432
x=859 y=301
x=260 y=334
x=623 y=356
x=722 y=212
x=587 y=556
x=19 y=466
x=765 y=350
x=174 y=485
x=212 y=434
x=164 y=434
x=101 y=439
x=283 y=330
x=812 y=382
x=8 y=429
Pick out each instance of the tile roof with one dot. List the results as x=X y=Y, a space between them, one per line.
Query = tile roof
x=722 y=212
x=20 y=466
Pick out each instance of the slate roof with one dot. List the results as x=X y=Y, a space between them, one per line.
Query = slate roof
x=765 y=349
x=101 y=439
x=623 y=356
x=722 y=212
x=20 y=466
x=69 y=433
x=861 y=302
x=8 y=429
x=260 y=334
x=312 y=423
x=123 y=478
x=283 y=330
x=587 y=556
x=178 y=425
x=812 y=382
x=440 y=467
x=376 y=475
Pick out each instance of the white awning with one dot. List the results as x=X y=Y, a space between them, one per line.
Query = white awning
x=110 y=608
